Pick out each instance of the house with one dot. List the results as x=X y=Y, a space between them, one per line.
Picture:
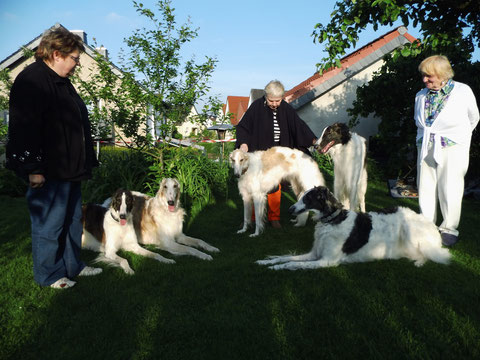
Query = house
x=322 y=100
x=16 y=62
x=236 y=106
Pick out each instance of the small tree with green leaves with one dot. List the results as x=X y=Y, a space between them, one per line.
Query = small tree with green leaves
x=154 y=90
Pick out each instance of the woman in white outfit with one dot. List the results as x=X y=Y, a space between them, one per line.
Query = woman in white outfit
x=446 y=113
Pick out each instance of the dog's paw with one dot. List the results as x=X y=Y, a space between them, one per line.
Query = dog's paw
x=207 y=257
x=164 y=260
x=213 y=249
x=262 y=262
x=129 y=271
x=241 y=231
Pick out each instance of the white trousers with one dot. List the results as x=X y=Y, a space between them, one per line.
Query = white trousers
x=443 y=184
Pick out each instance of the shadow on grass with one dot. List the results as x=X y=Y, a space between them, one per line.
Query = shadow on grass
x=231 y=308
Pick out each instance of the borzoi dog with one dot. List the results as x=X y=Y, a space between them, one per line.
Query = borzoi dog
x=158 y=221
x=348 y=152
x=345 y=236
x=261 y=171
x=108 y=230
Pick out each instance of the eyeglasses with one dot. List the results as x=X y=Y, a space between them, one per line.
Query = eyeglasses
x=75 y=58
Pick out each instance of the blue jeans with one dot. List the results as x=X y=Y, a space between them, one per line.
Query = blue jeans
x=56 y=216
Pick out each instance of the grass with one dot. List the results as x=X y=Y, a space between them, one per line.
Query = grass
x=231 y=308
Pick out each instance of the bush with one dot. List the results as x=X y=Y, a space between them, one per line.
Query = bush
x=11 y=184
x=119 y=168
x=201 y=178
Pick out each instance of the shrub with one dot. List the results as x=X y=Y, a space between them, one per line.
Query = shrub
x=119 y=168
x=200 y=177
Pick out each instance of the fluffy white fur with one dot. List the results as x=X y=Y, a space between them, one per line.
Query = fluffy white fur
x=261 y=171
x=158 y=221
x=348 y=152
x=108 y=230
x=399 y=233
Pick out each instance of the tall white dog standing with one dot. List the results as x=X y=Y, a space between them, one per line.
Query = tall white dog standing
x=261 y=171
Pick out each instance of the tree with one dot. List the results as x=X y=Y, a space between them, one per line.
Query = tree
x=154 y=89
x=449 y=27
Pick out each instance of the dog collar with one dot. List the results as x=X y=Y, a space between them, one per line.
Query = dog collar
x=114 y=218
x=330 y=217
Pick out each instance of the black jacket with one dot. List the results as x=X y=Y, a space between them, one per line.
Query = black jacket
x=256 y=128
x=49 y=131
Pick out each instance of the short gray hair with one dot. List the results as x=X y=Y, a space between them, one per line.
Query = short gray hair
x=274 y=88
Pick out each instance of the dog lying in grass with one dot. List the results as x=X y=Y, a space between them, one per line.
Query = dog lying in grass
x=110 y=229
x=344 y=236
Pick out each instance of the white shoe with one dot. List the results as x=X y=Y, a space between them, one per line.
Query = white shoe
x=90 y=271
x=63 y=283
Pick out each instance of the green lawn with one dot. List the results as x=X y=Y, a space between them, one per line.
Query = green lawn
x=231 y=308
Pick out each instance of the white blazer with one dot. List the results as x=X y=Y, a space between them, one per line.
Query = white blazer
x=456 y=121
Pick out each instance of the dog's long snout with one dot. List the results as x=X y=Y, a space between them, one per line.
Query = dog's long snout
x=292 y=209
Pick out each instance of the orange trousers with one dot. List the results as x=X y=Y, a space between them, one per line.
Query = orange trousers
x=273 y=200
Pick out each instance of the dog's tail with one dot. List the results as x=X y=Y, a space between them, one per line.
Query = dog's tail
x=434 y=251
x=101 y=258
x=423 y=238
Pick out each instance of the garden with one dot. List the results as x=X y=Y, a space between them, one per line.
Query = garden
x=231 y=308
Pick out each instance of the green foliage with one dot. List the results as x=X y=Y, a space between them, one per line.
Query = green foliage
x=201 y=178
x=447 y=26
x=154 y=89
x=11 y=184
x=119 y=168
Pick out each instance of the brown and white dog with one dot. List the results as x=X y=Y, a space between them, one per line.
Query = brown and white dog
x=261 y=171
x=348 y=151
x=158 y=221
x=108 y=230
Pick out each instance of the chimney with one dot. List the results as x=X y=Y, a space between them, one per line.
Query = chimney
x=82 y=34
x=102 y=51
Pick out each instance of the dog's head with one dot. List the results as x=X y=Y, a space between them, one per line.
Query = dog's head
x=335 y=134
x=239 y=162
x=169 y=193
x=318 y=199
x=121 y=206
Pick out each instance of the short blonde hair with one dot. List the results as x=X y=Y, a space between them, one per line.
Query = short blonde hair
x=436 y=65
x=274 y=88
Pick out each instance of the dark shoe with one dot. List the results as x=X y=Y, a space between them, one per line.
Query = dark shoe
x=276 y=224
x=448 y=239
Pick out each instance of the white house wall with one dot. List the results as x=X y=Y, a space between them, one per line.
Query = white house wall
x=332 y=106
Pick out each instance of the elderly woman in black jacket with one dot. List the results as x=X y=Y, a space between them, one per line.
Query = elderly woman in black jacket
x=50 y=145
x=268 y=122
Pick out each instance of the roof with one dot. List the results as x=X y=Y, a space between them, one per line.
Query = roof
x=317 y=85
x=18 y=56
x=237 y=105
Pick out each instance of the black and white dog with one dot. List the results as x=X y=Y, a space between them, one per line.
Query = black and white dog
x=345 y=236
x=108 y=230
x=348 y=151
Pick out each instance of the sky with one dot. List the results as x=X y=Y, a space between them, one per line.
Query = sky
x=254 y=41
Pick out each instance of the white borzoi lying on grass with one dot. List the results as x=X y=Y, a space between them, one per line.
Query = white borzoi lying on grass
x=261 y=171
x=108 y=230
x=344 y=236
x=348 y=151
x=158 y=221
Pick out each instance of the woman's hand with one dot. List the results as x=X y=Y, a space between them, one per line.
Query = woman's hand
x=36 y=180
